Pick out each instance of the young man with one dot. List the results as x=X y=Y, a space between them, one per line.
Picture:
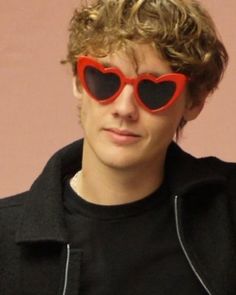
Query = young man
x=125 y=210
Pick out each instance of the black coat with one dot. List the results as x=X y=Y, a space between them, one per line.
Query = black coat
x=35 y=257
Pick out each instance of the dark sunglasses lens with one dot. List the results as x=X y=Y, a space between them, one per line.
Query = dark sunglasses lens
x=101 y=85
x=156 y=95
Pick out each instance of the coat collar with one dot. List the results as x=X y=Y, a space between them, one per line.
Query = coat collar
x=43 y=215
x=185 y=172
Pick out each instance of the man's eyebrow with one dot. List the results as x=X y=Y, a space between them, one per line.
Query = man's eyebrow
x=154 y=73
x=107 y=64
x=157 y=74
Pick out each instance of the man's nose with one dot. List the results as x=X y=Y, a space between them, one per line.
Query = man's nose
x=125 y=105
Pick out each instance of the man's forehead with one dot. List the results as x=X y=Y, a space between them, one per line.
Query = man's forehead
x=140 y=56
x=128 y=54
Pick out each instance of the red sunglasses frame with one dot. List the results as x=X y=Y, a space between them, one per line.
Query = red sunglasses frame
x=179 y=79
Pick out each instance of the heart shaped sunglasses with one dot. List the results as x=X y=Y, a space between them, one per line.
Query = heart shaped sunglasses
x=153 y=93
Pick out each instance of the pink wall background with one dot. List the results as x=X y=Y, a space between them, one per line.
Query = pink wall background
x=37 y=108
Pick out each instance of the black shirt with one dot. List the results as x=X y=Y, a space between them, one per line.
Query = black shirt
x=129 y=249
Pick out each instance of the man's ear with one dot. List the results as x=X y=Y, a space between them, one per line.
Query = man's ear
x=76 y=91
x=193 y=110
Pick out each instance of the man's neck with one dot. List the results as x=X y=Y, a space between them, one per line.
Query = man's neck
x=104 y=185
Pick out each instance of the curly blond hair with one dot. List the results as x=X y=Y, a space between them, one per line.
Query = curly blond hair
x=181 y=30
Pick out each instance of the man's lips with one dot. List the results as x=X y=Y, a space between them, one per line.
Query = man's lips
x=124 y=132
x=122 y=136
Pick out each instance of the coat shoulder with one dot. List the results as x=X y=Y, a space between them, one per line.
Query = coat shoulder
x=224 y=168
x=13 y=201
x=11 y=209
